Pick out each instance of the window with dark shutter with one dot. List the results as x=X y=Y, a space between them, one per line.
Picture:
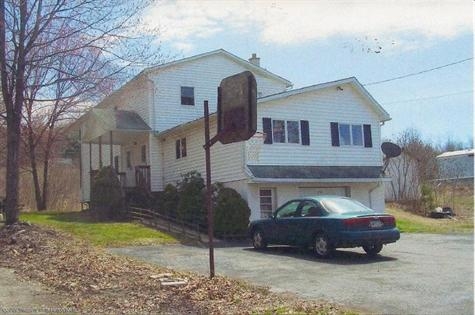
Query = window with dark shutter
x=177 y=149
x=267 y=129
x=183 y=147
x=305 y=130
x=368 y=140
x=335 y=134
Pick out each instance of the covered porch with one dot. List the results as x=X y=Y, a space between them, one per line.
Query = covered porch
x=118 y=139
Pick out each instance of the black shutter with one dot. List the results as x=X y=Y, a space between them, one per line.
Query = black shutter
x=304 y=130
x=267 y=129
x=368 y=140
x=335 y=134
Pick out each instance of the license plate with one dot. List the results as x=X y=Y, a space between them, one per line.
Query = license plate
x=375 y=224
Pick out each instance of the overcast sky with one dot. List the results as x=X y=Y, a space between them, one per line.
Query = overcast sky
x=310 y=42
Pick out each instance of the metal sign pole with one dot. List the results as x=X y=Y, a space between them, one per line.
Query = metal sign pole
x=209 y=204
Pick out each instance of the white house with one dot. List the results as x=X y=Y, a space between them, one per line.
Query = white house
x=321 y=139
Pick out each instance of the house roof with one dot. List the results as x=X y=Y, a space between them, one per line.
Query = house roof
x=302 y=173
x=456 y=153
x=221 y=51
x=383 y=115
x=245 y=63
x=100 y=121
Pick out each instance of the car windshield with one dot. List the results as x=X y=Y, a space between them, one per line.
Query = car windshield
x=343 y=205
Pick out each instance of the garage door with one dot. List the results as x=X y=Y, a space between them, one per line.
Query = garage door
x=315 y=191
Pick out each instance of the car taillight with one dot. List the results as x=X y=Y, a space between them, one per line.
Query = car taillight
x=356 y=222
x=389 y=220
x=372 y=222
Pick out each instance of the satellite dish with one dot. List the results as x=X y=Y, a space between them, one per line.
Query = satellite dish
x=390 y=149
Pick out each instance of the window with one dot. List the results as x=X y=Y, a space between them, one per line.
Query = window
x=278 y=131
x=129 y=159
x=187 y=95
x=116 y=163
x=293 y=132
x=143 y=154
x=351 y=134
x=180 y=148
x=286 y=131
x=266 y=198
x=311 y=209
x=288 y=210
x=357 y=134
x=345 y=137
x=183 y=147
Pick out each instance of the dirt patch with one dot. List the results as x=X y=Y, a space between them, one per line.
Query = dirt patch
x=98 y=282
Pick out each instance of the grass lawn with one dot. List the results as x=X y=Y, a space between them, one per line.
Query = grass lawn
x=409 y=222
x=107 y=234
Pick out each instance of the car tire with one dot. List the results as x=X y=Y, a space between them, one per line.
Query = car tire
x=322 y=246
x=373 y=249
x=258 y=239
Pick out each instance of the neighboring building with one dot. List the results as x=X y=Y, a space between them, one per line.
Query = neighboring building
x=321 y=139
x=456 y=165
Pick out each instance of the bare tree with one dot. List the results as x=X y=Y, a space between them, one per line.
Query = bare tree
x=36 y=39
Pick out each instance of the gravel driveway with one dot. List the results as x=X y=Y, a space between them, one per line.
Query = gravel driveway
x=419 y=274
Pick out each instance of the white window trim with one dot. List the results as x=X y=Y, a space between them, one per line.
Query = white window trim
x=286 y=133
x=351 y=134
x=273 y=200
x=194 y=95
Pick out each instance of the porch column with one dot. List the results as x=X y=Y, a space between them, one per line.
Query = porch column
x=111 y=150
x=100 y=151
x=80 y=160
x=90 y=156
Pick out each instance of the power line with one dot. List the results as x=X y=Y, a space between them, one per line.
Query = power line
x=418 y=73
x=429 y=97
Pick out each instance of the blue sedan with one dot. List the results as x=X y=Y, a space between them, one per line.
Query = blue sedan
x=325 y=223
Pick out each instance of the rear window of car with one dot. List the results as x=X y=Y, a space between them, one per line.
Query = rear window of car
x=342 y=205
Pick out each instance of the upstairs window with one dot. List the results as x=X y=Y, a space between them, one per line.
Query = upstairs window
x=187 y=95
x=180 y=148
x=351 y=134
x=278 y=131
x=293 y=131
x=286 y=131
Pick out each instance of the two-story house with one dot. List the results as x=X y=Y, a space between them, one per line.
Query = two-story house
x=320 y=139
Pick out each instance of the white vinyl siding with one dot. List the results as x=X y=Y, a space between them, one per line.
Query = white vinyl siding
x=135 y=96
x=204 y=75
x=227 y=161
x=321 y=108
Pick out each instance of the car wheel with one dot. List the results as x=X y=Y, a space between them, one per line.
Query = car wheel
x=258 y=240
x=373 y=249
x=322 y=246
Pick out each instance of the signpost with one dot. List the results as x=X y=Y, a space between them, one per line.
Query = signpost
x=237 y=121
